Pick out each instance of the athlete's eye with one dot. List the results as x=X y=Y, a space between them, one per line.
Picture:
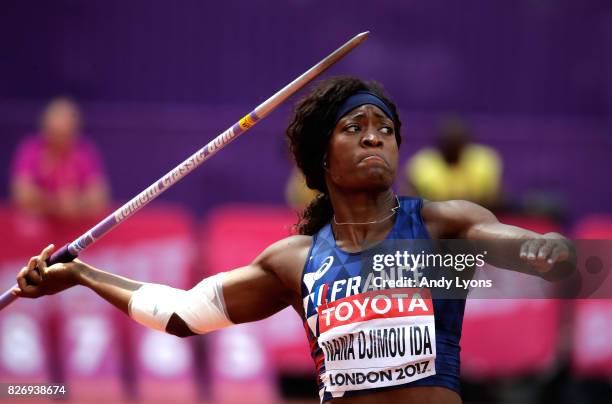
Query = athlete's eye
x=351 y=128
x=387 y=130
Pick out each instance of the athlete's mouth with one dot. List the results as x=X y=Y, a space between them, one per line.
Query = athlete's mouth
x=374 y=157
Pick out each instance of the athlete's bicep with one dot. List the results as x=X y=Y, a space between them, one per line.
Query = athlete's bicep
x=457 y=219
x=252 y=293
x=245 y=294
x=269 y=284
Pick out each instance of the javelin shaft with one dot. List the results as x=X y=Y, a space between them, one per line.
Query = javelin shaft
x=71 y=251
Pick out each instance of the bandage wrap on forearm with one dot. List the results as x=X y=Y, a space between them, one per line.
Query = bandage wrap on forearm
x=202 y=308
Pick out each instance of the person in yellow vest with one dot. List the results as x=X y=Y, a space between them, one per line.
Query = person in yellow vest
x=456 y=168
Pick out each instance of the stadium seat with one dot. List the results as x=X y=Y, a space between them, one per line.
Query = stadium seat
x=591 y=351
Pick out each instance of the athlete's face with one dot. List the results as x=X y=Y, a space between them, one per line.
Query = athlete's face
x=362 y=153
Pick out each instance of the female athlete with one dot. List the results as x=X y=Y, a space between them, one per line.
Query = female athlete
x=370 y=345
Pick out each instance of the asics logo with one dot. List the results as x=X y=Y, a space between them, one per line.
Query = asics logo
x=327 y=263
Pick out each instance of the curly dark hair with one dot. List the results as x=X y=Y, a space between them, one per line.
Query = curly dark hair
x=309 y=133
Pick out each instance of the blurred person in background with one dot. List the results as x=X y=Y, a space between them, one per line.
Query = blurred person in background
x=57 y=173
x=297 y=193
x=455 y=168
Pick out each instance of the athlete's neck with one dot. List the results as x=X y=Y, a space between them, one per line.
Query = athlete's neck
x=362 y=219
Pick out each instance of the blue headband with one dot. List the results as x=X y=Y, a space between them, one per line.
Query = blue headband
x=361 y=98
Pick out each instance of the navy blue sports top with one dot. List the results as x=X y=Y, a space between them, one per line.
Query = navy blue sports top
x=368 y=330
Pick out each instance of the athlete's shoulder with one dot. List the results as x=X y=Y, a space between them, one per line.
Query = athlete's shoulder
x=454 y=209
x=286 y=258
x=449 y=218
x=296 y=241
x=288 y=251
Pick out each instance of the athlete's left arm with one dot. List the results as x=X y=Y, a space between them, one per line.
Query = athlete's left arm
x=510 y=247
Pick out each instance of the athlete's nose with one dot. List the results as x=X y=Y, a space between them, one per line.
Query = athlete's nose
x=370 y=139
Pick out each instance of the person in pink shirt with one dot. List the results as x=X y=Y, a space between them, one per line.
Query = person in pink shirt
x=57 y=173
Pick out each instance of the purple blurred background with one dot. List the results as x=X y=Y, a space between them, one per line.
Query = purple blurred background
x=158 y=80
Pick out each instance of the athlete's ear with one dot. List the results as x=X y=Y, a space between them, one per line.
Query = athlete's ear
x=325 y=162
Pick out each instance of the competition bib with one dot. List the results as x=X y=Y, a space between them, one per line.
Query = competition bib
x=377 y=339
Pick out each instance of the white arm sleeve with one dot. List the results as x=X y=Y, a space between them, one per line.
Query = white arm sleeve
x=202 y=308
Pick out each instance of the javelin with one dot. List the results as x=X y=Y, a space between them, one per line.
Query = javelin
x=70 y=251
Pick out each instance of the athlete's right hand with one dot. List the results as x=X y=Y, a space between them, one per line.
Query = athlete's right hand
x=36 y=279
